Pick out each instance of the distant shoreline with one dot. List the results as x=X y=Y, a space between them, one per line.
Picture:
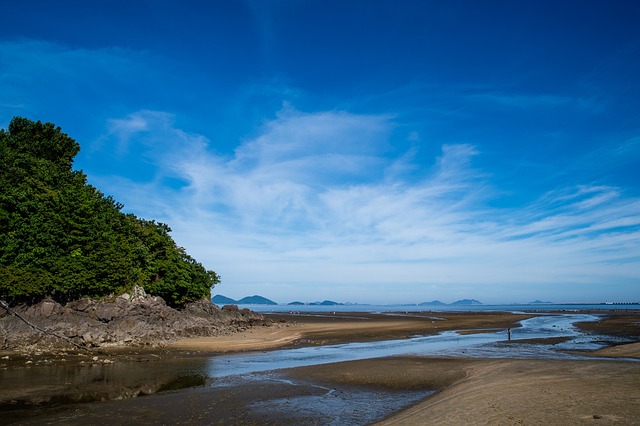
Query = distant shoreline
x=536 y=308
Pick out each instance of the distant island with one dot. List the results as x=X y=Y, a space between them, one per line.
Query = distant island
x=219 y=299
x=432 y=303
x=325 y=303
x=222 y=300
x=260 y=300
x=457 y=302
x=467 y=302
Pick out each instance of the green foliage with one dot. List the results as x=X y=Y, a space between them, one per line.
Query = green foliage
x=63 y=238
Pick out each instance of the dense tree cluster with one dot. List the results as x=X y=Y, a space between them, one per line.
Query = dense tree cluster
x=63 y=238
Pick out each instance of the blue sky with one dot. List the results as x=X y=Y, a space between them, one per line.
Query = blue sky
x=360 y=151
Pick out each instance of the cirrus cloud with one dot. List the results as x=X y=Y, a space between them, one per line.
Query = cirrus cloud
x=311 y=206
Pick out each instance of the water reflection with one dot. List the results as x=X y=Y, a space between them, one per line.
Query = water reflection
x=53 y=385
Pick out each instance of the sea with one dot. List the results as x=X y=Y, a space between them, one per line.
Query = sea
x=527 y=307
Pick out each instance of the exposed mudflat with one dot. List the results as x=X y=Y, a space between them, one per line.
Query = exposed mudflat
x=176 y=385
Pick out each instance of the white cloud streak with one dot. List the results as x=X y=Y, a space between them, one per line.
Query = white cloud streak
x=313 y=207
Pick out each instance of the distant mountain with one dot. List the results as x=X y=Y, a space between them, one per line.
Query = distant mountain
x=539 y=302
x=255 y=300
x=219 y=299
x=467 y=302
x=432 y=303
x=325 y=303
x=296 y=303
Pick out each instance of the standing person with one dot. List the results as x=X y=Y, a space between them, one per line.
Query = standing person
x=508 y=334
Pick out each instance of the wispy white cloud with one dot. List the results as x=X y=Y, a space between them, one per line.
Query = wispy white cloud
x=311 y=208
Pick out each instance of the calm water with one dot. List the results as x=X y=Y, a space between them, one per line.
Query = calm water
x=441 y=308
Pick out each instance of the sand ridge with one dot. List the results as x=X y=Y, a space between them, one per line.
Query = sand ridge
x=532 y=392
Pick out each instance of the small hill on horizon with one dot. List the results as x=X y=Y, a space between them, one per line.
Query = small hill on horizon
x=260 y=300
x=467 y=302
x=432 y=303
x=256 y=300
x=219 y=299
x=326 y=303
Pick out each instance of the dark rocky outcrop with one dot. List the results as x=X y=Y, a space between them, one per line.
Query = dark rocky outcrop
x=132 y=320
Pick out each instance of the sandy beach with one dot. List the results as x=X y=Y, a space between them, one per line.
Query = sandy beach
x=463 y=390
x=322 y=329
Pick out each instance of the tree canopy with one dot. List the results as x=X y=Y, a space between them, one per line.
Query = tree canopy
x=62 y=238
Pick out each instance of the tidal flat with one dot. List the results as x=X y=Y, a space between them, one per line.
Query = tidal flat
x=547 y=373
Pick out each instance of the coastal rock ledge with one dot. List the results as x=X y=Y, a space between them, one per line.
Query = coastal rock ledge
x=131 y=320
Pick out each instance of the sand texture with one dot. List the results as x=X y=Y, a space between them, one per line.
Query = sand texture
x=528 y=392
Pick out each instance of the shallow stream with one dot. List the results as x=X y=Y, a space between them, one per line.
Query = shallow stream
x=488 y=344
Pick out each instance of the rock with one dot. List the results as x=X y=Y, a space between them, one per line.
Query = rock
x=106 y=311
x=138 y=293
x=122 y=302
x=48 y=308
x=142 y=320
x=202 y=308
x=81 y=305
x=231 y=308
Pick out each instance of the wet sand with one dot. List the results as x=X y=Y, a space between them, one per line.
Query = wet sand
x=477 y=391
x=324 y=329
x=497 y=392
x=467 y=391
x=549 y=392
